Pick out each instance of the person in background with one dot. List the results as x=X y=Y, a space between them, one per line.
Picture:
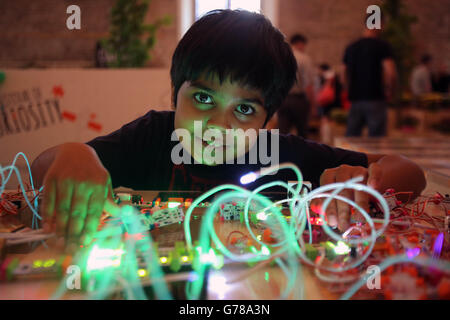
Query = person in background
x=441 y=80
x=295 y=110
x=421 y=80
x=370 y=77
x=328 y=97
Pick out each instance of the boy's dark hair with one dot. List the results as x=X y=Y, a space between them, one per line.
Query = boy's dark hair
x=241 y=45
x=296 y=38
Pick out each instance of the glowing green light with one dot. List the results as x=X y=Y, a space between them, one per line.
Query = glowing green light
x=217 y=261
x=103 y=258
x=173 y=204
x=265 y=251
x=261 y=216
x=49 y=263
x=209 y=257
x=37 y=264
x=185 y=258
x=163 y=260
x=266 y=276
x=142 y=273
x=341 y=248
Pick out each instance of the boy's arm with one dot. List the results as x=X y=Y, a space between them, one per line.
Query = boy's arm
x=399 y=173
x=383 y=172
x=76 y=185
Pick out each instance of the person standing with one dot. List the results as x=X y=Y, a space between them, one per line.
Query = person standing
x=370 y=77
x=421 y=79
x=295 y=110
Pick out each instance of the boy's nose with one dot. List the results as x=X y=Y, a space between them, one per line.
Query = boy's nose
x=220 y=120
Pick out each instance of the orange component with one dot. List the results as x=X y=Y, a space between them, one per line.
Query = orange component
x=380 y=247
x=233 y=240
x=390 y=270
x=420 y=282
x=444 y=289
x=66 y=263
x=385 y=280
x=413 y=238
x=432 y=232
x=267 y=236
x=388 y=294
x=412 y=271
x=180 y=200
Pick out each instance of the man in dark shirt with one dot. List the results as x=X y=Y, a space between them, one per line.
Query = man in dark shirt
x=370 y=77
x=230 y=72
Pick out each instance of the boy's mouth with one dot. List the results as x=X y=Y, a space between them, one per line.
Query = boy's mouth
x=213 y=143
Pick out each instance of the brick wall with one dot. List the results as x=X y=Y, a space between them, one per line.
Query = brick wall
x=331 y=24
x=33 y=33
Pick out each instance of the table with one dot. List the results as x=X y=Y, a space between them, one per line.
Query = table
x=432 y=154
x=264 y=283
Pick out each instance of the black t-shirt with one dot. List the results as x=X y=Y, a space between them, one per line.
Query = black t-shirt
x=363 y=60
x=138 y=156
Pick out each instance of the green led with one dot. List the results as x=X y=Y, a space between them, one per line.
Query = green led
x=266 y=276
x=253 y=218
x=37 y=264
x=265 y=250
x=142 y=273
x=341 y=248
x=173 y=204
x=175 y=263
x=218 y=262
x=311 y=252
x=103 y=258
x=49 y=263
x=185 y=258
x=163 y=260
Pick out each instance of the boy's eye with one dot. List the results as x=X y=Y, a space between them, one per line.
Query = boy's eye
x=245 y=109
x=203 y=98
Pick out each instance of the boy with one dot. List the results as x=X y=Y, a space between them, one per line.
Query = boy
x=231 y=70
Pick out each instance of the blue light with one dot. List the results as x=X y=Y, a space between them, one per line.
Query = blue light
x=248 y=178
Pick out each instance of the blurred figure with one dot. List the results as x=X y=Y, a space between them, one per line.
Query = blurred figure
x=293 y=115
x=421 y=80
x=370 y=77
x=441 y=80
x=329 y=97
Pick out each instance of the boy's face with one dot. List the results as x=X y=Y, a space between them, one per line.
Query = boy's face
x=219 y=106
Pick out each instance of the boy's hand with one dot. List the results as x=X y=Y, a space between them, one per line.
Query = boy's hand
x=75 y=189
x=338 y=212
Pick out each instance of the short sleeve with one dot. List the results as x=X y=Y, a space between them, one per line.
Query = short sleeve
x=387 y=52
x=129 y=153
x=345 y=57
x=109 y=150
